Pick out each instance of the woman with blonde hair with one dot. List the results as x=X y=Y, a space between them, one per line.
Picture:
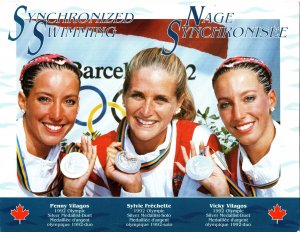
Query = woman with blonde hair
x=156 y=131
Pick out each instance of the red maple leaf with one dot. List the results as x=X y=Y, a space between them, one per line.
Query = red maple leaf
x=277 y=213
x=19 y=213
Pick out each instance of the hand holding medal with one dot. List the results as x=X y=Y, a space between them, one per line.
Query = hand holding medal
x=199 y=167
x=126 y=162
x=77 y=168
x=202 y=168
x=74 y=165
x=123 y=168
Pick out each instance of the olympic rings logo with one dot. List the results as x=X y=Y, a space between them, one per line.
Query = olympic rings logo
x=102 y=106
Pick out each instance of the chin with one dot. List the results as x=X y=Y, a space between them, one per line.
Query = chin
x=247 y=141
x=52 y=142
x=144 y=138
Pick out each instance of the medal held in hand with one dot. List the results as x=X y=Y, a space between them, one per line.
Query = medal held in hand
x=127 y=162
x=199 y=167
x=74 y=165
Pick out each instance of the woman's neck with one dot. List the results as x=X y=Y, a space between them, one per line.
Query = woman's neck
x=143 y=147
x=258 y=150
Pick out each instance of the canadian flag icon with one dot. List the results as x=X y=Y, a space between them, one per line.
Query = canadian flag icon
x=277 y=213
x=19 y=213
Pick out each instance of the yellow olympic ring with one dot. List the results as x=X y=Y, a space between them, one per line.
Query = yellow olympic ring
x=97 y=107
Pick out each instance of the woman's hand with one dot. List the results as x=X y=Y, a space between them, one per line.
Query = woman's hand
x=216 y=183
x=74 y=187
x=130 y=182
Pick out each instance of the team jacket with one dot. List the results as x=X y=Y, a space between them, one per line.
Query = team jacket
x=183 y=132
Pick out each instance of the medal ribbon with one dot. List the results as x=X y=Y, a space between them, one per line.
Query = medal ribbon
x=250 y=187
x=147 y=166
x=259 y=186
x=247 y=182
x=233 y=186
x=23 y=177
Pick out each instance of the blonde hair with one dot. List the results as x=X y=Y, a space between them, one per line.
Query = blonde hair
x=152 y=57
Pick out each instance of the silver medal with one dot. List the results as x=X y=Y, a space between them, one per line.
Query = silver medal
x=127 y=162
x=199 y=167
x=74 y=165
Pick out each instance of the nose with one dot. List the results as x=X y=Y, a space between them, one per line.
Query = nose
x=56 y=111
x=147 y=108
x=238 y=112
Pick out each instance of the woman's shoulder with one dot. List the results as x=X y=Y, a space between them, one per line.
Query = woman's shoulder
x=189 y=124
x=184 y=122
x=233 y=152
x=106 y=138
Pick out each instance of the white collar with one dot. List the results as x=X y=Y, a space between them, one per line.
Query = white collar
x=266 y=169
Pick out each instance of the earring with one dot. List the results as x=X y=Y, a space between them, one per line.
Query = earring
x=22 y=110
x=272 y=109
x=178 y=111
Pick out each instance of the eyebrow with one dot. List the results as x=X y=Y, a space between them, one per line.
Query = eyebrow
x=136 y=91
x=72 y=95
x=222 y=98
x=42 y=92
x=243 y=93
x=48 y=94
x=158 y=95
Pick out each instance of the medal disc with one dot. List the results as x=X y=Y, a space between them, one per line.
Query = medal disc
x=199 y=167
x=127 y=162
x=74 y=165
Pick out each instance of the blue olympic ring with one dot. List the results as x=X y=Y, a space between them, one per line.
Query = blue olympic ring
x=104 y=104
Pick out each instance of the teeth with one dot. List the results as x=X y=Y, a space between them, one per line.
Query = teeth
x=245 y=127
x=52 y=127
x=146 y=122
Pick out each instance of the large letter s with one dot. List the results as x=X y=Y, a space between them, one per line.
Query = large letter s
x=39 y=35
x=18 y=20
x=173 y=35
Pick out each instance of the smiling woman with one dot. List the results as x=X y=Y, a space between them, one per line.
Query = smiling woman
x=49 y=101
x=50 y=111
x=265 y=163
x=158 y=124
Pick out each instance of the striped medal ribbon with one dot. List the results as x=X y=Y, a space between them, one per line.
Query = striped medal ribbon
x=233 y=186
x=54 y=186
x=147 y=166
x=249 y=185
